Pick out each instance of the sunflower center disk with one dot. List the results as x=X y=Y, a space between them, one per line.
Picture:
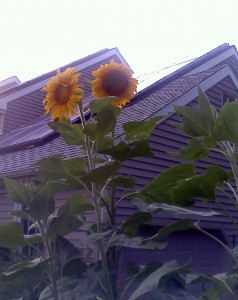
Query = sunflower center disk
x=115 y=83
x=62 y=93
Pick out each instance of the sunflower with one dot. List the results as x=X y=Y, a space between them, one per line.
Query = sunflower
x=63 y=94
x=114 y=80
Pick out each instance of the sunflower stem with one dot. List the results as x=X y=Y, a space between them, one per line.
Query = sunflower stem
x=96 y=201
x=52 y=273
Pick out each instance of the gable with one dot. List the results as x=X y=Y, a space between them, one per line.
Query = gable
x=24 y=103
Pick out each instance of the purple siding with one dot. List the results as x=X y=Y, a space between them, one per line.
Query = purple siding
x=6 y=207
x=164 y=140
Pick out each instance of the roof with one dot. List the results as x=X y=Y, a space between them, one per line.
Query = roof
x=21 y=148
x=182 y=71
x=52 y=73
x=30 y=94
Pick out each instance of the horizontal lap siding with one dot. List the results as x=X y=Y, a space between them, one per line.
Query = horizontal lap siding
x=6 y=206
x=24 y=110
x=166 y=139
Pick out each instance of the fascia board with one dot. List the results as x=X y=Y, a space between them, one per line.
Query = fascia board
x=41 y=84
x=214 y=61
x=193 y=93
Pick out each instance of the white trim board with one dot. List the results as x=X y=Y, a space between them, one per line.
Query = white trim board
x=214 y=61
x=193 y=93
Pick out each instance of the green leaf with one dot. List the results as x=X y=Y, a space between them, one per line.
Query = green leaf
x=18 y=192
x=100 y=174
x=203 y=186
x=106 y=122
x=138 y=242
x=176 y=227
x=123 y=151
x=43 y=203
x=152 y=281
x=69 y=257
x=78 y=204
x=93 y=238
x=76 y=166
x=140 y=130
x=65 y=222
x=74 y=288
x=226 y=125
x=219 y=279
x=138 y=218
x=162 y=208
x=22 y=214
x=118 y=152
x=104 y=143
x=51 y=168
x=74 y=265
x=97 y=105
x=26 y=266
x=170 y=178
x=89 y=130
x=141 y=148
x=183 y=188
x=210 y=294
x=34 y=238
x=205 y=105
x=195 y=120
x=71 y=133
x=126 y=182
x=12 y=235
x=194 y=151
x=54 y=168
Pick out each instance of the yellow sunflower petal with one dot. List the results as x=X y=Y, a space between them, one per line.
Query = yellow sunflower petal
x=63 y=94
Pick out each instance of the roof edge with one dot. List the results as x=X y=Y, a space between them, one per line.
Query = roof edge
x=181 y=71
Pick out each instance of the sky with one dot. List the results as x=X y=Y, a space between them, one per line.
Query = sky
x=38 y=36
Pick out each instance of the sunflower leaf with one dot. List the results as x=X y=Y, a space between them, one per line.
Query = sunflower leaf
x=71 y=133
x=138 y=130
x=97 y=105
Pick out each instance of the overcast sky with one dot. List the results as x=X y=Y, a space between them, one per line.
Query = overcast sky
x=38 y=36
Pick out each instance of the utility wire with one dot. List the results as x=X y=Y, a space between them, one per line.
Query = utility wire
x=162 y=69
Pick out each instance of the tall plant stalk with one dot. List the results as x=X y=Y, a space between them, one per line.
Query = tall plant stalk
x=102 y=250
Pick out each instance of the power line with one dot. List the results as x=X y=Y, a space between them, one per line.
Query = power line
x=162 y=69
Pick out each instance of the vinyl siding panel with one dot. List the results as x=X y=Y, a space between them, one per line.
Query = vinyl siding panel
x=6 y=207
x=166 y=139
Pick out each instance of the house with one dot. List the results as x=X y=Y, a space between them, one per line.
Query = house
x=26 y=137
